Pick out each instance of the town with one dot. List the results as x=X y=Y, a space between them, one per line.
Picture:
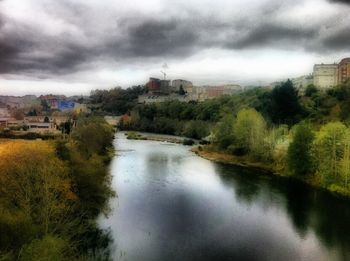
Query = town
x=51 y=113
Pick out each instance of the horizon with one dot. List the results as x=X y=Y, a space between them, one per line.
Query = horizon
x=85 y=45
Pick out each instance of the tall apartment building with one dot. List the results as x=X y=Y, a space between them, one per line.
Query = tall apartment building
x=325 y=75
x=344 y=70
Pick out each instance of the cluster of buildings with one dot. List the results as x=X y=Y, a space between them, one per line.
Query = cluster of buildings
x=33 y=123
x=62 y=103
x=13 y=109
x=183 y=90
x=324 y=76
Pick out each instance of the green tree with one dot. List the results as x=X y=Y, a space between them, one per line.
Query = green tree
x=300 y=159
x=223 y=133
x=249 y=131
x=329 y=146
x=285 y=106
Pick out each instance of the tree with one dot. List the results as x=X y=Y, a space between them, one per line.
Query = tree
x=92 y=135
x=182 y=91
x=345 y=161
x=41 y=191
x=300 y=159
x=310 y=90
x=224 y=132
x=249 y=132
x=329 y=146
x=285 y=106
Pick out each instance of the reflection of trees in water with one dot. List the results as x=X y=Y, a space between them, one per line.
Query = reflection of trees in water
x=96 y=242
x=307 y=208
x=158 y=163
x=247 y=188
x=298 y=206
x=331 y=221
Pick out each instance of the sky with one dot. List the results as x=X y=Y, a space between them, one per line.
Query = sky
x=75 y=46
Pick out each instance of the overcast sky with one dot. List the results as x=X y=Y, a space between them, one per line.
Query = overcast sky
x=73 y=46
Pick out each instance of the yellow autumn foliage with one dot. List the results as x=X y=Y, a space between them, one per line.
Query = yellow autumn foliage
x=35 y=181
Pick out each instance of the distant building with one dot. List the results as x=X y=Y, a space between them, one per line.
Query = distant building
x=303 y=81
x=158 y=87
x=325 y=75
x=41 y=126
x=165 y=87
x=162 y=90
x=344 y=70
x=52 y=100
x=179 y=83
x=81 y=108
x=4 y=112
x=153 y=85
x=64 y=105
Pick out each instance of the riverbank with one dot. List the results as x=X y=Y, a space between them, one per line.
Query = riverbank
x=210 y=153
x=133 y=135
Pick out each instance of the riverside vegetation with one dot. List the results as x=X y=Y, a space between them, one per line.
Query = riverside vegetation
x=304 y=135
x=51 y=193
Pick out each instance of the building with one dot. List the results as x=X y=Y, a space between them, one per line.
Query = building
x=325 y=75
x=53 y=101
x=303 y=81
x=165 y=87
x=343 y=70
x=4 y=112
x=158 y=87
x=179 y=83
x=201 y=93
x=153 y=85
x=4 y=121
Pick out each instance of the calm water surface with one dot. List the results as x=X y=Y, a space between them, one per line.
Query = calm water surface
x=174 y=205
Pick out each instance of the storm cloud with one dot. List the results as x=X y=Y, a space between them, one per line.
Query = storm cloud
x=46 y=38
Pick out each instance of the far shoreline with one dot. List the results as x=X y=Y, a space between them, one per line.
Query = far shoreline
x=225 y=158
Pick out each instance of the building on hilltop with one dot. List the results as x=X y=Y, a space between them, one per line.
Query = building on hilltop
x=180 y=83
x=153 y=85
x=343 y=70
x=325 y=75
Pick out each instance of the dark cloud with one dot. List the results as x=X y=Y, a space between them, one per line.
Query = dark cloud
x=340 y=1
x=84 y=41
x=339 y=40
x=272 y=35
x=161 y=38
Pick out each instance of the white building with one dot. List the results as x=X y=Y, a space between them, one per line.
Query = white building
x=325 y=75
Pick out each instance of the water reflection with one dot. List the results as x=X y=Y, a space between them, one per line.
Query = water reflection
x=173 y=205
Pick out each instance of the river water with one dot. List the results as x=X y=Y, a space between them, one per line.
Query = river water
x=174 y=205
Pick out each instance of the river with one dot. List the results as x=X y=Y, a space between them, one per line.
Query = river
x=174 y=205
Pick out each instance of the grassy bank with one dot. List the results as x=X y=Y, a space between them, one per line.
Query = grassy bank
x=213 y=153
